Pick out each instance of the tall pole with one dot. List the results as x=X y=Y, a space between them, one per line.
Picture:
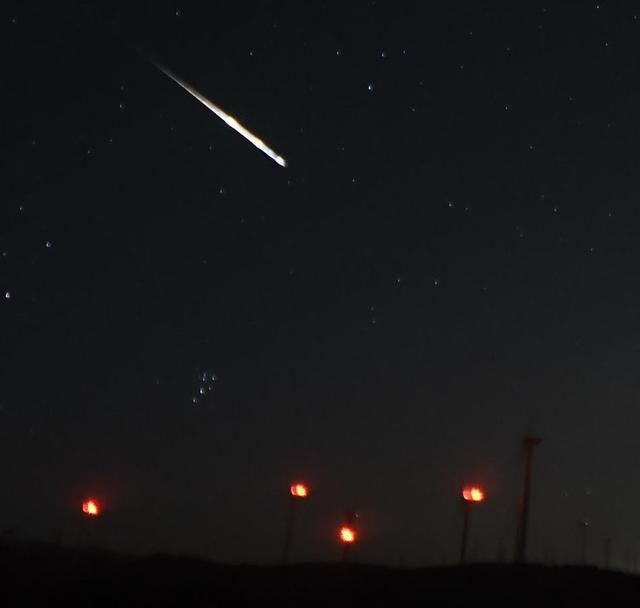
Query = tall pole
x=348 y=534
x=345 y=552
x=521 y=547
x=465 y=531
x=288 y=533
x=297 y=493
x=607 y=553
x=584 y=529
x=471 y=495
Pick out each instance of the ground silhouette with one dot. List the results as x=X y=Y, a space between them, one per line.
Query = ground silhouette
x=47 y=575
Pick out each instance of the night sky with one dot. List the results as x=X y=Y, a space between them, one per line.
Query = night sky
x=450 y=260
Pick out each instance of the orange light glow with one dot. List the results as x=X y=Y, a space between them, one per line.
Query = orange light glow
x=299 y=490
x=347 y=534
x=91 y=507
x=473 y=494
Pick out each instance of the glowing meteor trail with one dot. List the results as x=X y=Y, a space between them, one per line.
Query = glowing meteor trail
x=230 y=120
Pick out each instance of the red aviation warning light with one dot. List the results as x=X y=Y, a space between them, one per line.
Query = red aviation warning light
x=91 y=507
x=472 y=494
x=299 y=490
x=347 y=535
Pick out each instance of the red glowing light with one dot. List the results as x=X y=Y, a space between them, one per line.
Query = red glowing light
x=473 y=494
x=347 y=534
x=299 y=490
x=91 y=507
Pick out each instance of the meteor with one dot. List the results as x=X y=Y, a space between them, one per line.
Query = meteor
x=230 y=120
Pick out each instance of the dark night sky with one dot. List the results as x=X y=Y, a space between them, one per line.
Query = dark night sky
x=449 y=261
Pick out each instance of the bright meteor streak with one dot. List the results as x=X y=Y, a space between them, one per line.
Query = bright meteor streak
x=230 y=120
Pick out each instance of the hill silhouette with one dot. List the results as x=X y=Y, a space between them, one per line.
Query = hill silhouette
x=40 y=574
